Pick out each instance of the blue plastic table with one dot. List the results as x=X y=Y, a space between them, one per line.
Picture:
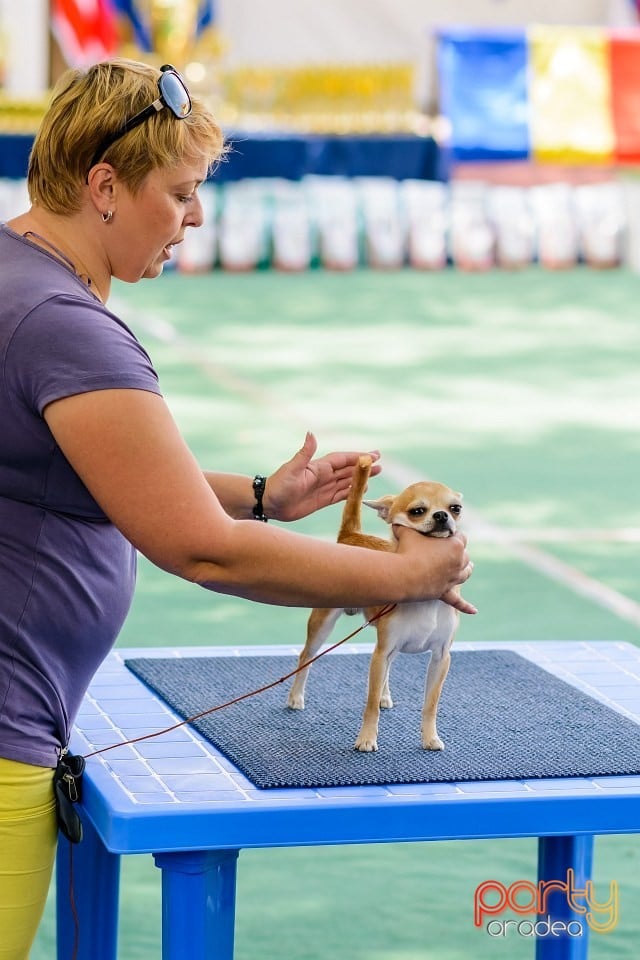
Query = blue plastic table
x=177 y=798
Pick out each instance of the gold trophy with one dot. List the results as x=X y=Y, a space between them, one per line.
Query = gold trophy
x=173 y=26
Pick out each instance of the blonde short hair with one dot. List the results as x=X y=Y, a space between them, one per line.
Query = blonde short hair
x=88 y=105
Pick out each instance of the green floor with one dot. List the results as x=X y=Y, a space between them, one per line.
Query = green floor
x=523 y=391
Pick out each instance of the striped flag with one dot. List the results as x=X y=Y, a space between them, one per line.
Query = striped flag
x=552 y=93
x=85 y=30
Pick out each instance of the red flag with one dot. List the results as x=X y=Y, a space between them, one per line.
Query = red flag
x=625 y=80
x=85 y=30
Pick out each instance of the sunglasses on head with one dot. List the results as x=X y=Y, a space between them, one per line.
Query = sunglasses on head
x=173 y=94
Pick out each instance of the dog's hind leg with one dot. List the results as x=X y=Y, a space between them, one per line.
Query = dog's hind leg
x=319 y=626
x=436 y=675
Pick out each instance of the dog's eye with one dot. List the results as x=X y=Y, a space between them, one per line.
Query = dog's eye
x=455 y=509
x=417 y=511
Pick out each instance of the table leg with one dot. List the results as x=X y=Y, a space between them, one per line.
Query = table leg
x=87 y=879
x=198 y=904
x=564 y=867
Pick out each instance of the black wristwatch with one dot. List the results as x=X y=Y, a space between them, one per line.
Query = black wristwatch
x=259 y=483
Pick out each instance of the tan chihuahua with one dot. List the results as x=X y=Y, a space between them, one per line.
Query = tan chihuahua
x=432 y=509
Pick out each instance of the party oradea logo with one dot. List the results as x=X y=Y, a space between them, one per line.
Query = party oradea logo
x=492 y=899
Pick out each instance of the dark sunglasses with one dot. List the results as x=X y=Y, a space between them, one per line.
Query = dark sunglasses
x=173 y=94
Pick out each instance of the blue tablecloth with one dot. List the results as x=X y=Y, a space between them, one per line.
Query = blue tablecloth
x=14 y=154
x=292 y=156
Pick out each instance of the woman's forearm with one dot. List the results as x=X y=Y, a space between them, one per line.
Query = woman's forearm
x=272 y=565
x=234 y=491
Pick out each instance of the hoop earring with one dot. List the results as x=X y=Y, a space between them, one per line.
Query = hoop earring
x=107 y=217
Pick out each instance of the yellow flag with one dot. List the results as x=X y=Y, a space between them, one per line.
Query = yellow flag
x=570 y=95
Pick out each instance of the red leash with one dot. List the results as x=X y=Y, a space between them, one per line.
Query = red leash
x=245 y=696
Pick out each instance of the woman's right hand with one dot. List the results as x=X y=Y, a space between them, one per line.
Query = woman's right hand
x=443 y=561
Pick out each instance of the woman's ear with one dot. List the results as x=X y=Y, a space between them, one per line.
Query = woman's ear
x=102 y=185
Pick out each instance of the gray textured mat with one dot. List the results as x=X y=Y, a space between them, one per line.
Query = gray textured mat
x=501 y=718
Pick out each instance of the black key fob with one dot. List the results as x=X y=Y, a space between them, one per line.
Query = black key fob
x=67 y=786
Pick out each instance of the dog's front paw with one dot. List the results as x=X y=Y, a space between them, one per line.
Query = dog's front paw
x=385 y=701
x=366 y=744
x=432 y=743
x=295 y=701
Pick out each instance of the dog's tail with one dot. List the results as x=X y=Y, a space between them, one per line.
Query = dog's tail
x=351 y=515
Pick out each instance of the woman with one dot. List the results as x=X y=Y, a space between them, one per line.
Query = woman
x=92 y=466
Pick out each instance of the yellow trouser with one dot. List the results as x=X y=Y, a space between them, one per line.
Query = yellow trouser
x=28 y=835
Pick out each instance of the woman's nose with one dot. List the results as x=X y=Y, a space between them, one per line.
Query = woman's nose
x=195 y=214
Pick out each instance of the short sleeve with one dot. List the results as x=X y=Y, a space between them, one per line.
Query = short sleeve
x=67 y=346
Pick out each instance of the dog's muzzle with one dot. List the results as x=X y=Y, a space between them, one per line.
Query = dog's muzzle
x=443 y=525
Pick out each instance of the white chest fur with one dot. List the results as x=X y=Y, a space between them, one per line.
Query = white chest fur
x=416 y=627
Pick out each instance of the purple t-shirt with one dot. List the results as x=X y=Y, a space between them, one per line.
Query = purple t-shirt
x=66 y=573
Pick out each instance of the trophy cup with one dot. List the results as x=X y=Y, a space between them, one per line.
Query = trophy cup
x=173 y=26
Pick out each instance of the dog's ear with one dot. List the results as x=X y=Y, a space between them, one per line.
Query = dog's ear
x=381 y=506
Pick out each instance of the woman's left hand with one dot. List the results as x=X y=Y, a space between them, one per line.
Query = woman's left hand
x=302 y=485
